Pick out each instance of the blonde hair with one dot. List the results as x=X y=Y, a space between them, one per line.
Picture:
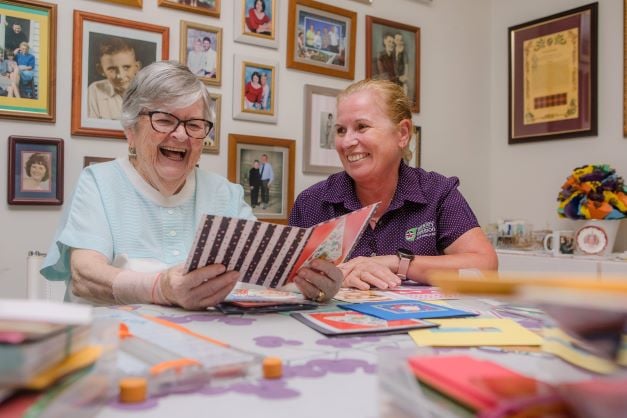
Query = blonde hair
x=396 y=104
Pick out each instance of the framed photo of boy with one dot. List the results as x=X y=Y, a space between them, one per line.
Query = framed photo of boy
x=319 y=154
x=257 y=22
x=255 y=90
x=201 y=51
x=28 y=60
x=393 y=53
x=35 y=175
x=265 y=169
x=211 y=144
x=321 y=38
x=205 y=7
x=108 y=53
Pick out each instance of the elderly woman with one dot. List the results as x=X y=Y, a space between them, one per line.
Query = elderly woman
x=422 y=223
x=131 y=222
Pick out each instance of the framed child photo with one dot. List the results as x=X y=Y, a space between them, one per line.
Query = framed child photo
x=255 y=90
x=211 y=144
x=257 y=22
x=28 y=60
x=321 y=38
x=108 y=52
x=35 y=174
x=205 y=7
x=201 y=50
x=265 y=169
x=319 y=154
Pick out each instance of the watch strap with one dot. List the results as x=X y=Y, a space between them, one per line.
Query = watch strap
x=403 y=266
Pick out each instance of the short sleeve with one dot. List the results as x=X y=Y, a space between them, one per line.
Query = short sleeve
x=455 y=217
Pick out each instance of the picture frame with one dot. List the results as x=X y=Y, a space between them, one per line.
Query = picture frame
x=412 y=158
x=280 y=153
x=319 y=154
x=28 y=94
x=89 y=160
x=131 y=3
x=35 y=171
x=310 y=48
x=364 y=1
x=384 y=39
x=204 y=7
x=201 y=50
x=211 y=144
x=251 y=99
x=540 y=106
x=104 y=41
x=257 y=27
x=625 y=69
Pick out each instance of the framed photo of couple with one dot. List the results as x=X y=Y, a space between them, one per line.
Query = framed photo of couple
x=35 y=171
x=319 y=154
x=255 y=90
x=201 y=50
x=393 y=53
x=28 y=60
x=265 y=169
x=257 y=22
x=108 y=53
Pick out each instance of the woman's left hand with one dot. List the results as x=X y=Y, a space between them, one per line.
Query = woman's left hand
x=319 y=281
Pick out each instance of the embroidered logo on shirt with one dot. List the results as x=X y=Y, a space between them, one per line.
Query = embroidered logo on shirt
x=427 y=229
x=410 y=235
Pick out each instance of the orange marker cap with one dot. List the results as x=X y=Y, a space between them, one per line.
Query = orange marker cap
x=133 y=389
x=272 y=368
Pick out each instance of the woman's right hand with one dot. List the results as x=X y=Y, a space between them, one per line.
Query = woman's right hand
x=198 y=289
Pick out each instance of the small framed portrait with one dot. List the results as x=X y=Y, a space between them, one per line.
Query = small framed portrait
x=319 y=154
x=393 y=53
x=201 y=50
x=255 y=90
x=211 y=144
x=411 y=154
x=321 y=38
x=35 y=174
x=265 y=169
x=108 y=53
x=205 y=7
x=257 y=22
x=88 y=160
x=28 y=36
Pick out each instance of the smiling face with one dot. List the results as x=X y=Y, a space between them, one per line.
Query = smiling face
x=165 y=160
x=38 y=171
x=120 y=69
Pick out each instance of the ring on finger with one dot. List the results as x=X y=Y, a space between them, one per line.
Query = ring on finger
x=321 y=297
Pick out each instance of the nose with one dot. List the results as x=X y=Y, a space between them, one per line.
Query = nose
x=180 y=134
x=349 y=140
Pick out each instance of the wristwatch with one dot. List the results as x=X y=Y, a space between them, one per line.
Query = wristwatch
x=404 y=258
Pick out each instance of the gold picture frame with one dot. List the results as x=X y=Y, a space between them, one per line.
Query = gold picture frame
x=193 y=36
x=130 y=3
x=204 y=7
x=251 y=29
x=211 y=144
x=250 y=101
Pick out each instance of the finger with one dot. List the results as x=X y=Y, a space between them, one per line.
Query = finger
x=204 y=274
x=373 y=280
x=309 y=290
x=329 y=269
x=319 y=279
x=353 y=280
x=215 y=290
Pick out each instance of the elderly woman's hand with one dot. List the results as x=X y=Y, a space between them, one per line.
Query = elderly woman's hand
x=319 y=281
x=365 y=272
x=197 y=289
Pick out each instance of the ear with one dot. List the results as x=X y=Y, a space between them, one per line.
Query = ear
x=404 y=128
x=130 y=136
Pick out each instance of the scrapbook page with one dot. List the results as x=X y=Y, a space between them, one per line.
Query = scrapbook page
x=406 y=309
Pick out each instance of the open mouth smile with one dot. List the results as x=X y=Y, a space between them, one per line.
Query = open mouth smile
x=356 y=157
x=173 y=153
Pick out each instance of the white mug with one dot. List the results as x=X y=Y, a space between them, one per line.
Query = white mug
x=559 y=242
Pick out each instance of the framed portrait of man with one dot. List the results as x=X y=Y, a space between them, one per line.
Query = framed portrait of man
x=108 y=53
x=201 y=51
x=255 y=90
x=256 y=22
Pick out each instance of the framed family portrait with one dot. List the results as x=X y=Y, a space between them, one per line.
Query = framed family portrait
x=257 y=22
x=255 y=90
x=201 y=50
x=321 y=38
x=108 y=53
x=88 y=160
x=35 y=175
x=393 y=53
x=28 y=60
x=553 y=76
x=319 y=154
x=205 y=7
x=265 y=169
x=412 y=154
x=211 y=144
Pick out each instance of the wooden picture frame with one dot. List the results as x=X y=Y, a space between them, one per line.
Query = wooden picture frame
x=243 y=151
x=309 y=48
x=116 y=43
x=89 y=160
x=35 y=171
x=204 y=7
x=29 y=94
x=197 y=42
x=319 y=154
x=364 y=1
x=252 y=102
x=384 y=39
x=545 y=106
x=211 y=144
x=412 y=158
x=130 y=3
x=257 y=28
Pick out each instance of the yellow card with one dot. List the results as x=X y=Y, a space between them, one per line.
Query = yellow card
x=564 y=346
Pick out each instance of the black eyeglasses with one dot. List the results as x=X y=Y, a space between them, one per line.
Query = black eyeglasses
x=166 y=123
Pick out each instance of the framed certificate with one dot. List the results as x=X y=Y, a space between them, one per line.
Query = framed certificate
x=553 y=76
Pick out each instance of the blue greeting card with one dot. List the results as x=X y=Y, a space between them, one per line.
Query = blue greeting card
x=406 y=309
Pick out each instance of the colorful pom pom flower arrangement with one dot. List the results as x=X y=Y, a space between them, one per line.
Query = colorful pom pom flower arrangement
x=593 y=192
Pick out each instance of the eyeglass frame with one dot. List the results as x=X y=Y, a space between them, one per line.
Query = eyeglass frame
x=180 y=121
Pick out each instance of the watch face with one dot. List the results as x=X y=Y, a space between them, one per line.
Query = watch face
x=591 y=240
x=402 y=252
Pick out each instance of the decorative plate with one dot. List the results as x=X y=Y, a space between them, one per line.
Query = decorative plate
x=591 y=240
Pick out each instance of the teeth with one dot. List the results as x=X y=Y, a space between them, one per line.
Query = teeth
x=173 y=149
x=356 y=157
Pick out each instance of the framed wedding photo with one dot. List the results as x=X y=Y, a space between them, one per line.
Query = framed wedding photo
x=319 y=154
x=211 y=144
x=205 y=7
x=257 y=22
x=107 y=54
x=35 y=174
x=255 y=90
x=553 y=76
x=201 y=51
x=28 y=76
x=265 y=169
x=321 y=38
x=393 y=53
